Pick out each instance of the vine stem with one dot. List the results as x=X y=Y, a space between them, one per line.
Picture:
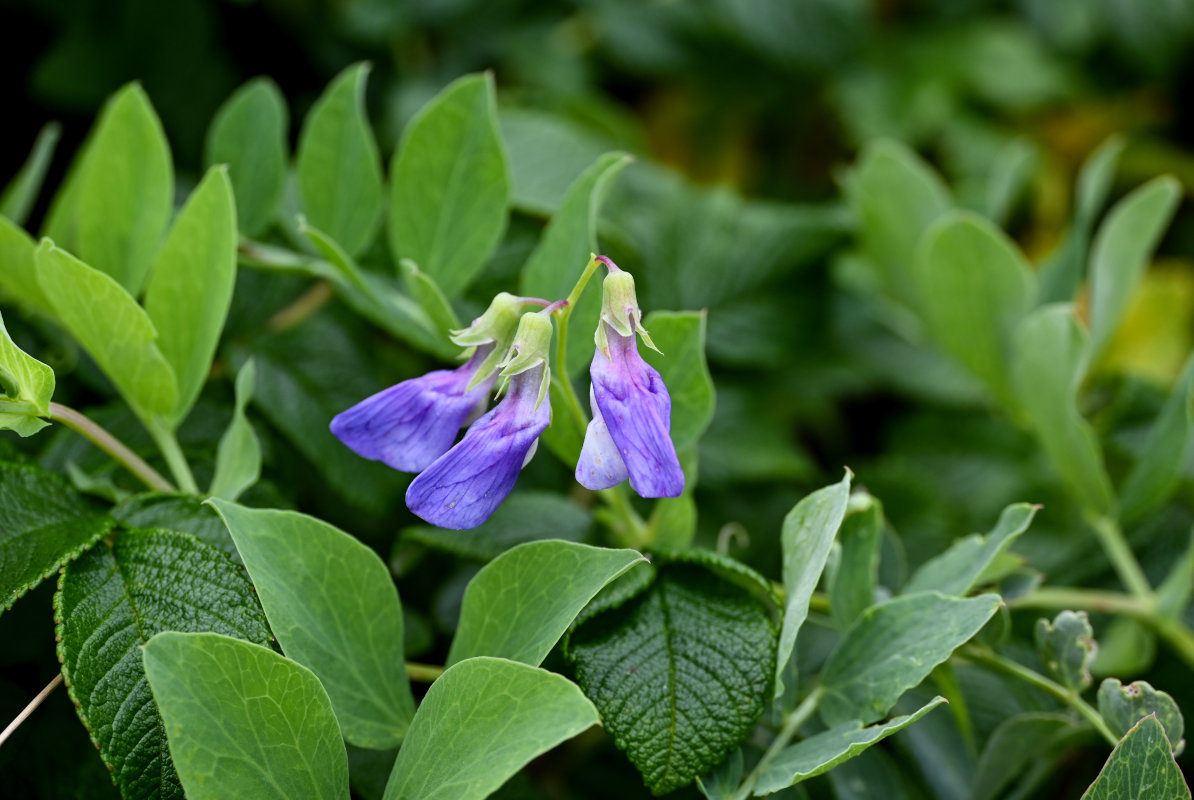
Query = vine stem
x=1067 y=696
x=423 y=673
x=792 y=724
x=172 y=452
x=1060 y=598
x=29 y=709
x=1115 y=545
x=115 y=448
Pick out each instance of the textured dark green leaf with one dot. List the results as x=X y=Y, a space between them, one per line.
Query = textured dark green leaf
x=243 y=721
x=450 y=185
x=1140 y=768
x=21 y=193
x=680 y=672
x=43 y=524
x=1157 y=472
x=824 y=751
x=893 y=647
x=1123 y=706
x=1067 y=647
x=681 y=337
x=26 y=386
x=111 y=602
x=958 y=569
x=1012 y=746
x=334 y=608
x=338 y=166
x=249 y=134
x=852 y=589
x=238 y=459
x=176 y=512
x=480 y=722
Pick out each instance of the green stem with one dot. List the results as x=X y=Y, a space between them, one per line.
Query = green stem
x=1111 y=537
x=1008 y=667
x=1059 y=598
x=172 y=452
x=423 y=673
x=1176 y=635
x=110 y=445
x=791 y=725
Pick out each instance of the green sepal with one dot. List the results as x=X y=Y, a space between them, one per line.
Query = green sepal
x=496 y=326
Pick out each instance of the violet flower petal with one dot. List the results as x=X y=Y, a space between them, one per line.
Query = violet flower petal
x=600 y=466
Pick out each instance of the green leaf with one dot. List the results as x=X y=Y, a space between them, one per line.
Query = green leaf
x=546 y=151
x=563 y=254
x=1067 y=647
x=1047 y=366
x=1140 y=768
x=823 y=751
x=21 y=193
x=1121 y=251
x=249 y=134
x=117 y=200
x=525 y=516
x=724 y=779
x=1124 y=706
x=563 y=437
x=18 y=276
x=26 y=386
x=177 y=512
x=480 y=722
x=44 y=523
x=238 y=459
x=190 y=290
x=111 y=602
x=1012 y=746
x=1011 y=172
x=852 y=589
x=1126 y=647
x=429 y=297
x=974 y=288
x=958 y=569
x=338 y=166
x=893 y=647
x=681 y=337
x=519 y=605
x=680 y=671
x=1158 y=471
x=113 y=329
x=243 y=721
x=807 y=536
x=1173 y=595
x=450 y=185
x=333 y=606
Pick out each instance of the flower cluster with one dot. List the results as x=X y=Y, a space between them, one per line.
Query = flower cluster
x=413 y=426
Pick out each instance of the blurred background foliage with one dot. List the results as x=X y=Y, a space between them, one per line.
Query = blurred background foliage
x=742 y=115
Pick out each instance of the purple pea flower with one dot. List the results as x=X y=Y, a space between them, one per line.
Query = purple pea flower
x=630 y=433
x=409 y=425
x=464 y=486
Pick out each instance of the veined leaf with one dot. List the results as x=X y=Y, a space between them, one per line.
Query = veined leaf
x=1067 y=647
x=1141 y=766
x=853 y=585
x=1124 y=706
x=26 y=386
x=18 y=276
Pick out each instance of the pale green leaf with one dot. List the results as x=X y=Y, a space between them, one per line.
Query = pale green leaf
x=429 y=297
x=18 y=276
x=238 y=459
x=1067 y=647
x=853 y=584
x=958 y=569
x=16 y=202
x=26 y=386
x=1140 y=768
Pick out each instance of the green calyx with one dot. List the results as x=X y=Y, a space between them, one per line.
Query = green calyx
x=530 y=349
x=497 y=327
x=620 y=311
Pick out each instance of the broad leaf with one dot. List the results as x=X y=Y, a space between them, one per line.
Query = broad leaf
x=1124 y=706
x=1012 y=746
x=26 y=386
x=238 y=459
x=338 y=166
x=480 y=723
x=1157 y=472
x=249 y=134
x=16 y=202
x=18 y=275
x=243 y=721
x=681 y=337
x=807 y=536
x=1067 y=647
x=680 y=671
x=43 y=524
x=111 y=602
x=112 y=328
x=823 y=751
x=178 y=512
x=521 y=603
x=958 y=569
x=852 y=589
x=563 y=254
x=1140 y=767
x=333 y=606
x=893 y=647
x=118 y=197
x=429 y=296
x=190 y=289
x=450 y=185
x=546 y=152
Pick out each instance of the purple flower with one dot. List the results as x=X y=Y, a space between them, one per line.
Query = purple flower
x=467 y=484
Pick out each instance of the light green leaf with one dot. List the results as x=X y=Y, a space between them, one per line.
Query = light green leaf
x=893 y=647
x=339 y=169
x=852 y=589
x=1011 y=171
x=26 y=386
x=546 y=152
x=1067 y=647
x=723 y=781
x=333 y=606
x=249 y=134
x=1048 y=362
x=429 y=297
x=450 y=185
x=190 y=289
x=238 y=459
x=480 y=723
x=113 y=329
x=563 y=254
x=958 y=569
x=21 y=193
x=18 y=276
x=681 y=337
x=823 y=751
x=1121 y=251
x=1012 y=746
x=1157 y=472
x=1140 y=768
x=521 y=603
x=974 y=288
x=1124 y=706
x=807 y=535
x=243 y=721
x=118 y=197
